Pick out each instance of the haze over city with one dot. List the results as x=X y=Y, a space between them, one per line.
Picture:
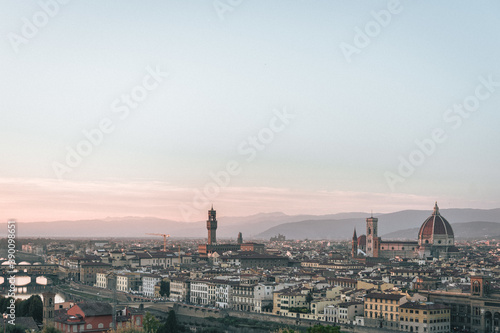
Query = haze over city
x=126 y=109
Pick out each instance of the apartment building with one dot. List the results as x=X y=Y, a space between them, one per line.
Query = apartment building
x=89 y=270
x=382 y=310
x=128 y=282
x=424 y=317
x=180 y=289
x=149 y=282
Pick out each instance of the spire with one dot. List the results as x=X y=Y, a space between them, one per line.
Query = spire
x=354 y=236
x=436 y=209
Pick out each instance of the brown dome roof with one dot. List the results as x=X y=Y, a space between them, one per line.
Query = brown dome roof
x=435 y=225
x=362 y=240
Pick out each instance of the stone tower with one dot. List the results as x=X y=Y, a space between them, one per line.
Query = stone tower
x=240 y=238
x=354 y=250
x=212 y=227
x=372 y=240
x=480 y=285
x=48 y=308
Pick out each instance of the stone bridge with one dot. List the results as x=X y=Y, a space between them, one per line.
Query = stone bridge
x=24 y=283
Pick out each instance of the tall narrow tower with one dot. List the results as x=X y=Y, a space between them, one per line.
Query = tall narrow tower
x=212 y=227
x=372 y=237
x=240 y=238
x=354 y=250
x=48 y=308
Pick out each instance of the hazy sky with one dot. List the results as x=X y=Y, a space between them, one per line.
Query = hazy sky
x=306 y=106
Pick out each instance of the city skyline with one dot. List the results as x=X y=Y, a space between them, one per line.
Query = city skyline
x=121 y=109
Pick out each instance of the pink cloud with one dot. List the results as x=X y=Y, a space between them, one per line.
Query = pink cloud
x=31 y=200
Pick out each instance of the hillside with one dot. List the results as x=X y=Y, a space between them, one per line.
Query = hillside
x=408 y=220
x=467 y=230
x=228 y=227
x=261 y=226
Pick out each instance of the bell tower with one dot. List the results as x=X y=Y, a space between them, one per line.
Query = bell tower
x=372 y=237
x=212 y=227
x=48 y=308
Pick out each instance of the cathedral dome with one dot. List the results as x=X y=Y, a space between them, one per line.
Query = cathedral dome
x=436 y=230
x=361 y=241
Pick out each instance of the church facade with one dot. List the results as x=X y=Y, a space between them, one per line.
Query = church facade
x=435 y=239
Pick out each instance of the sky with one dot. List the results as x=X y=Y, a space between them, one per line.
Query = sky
x=162 y=108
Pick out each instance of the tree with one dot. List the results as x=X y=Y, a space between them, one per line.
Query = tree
x=22 y=307
x=35 y=308
x=13 y=329
x=171 y=325
x=165 y=288
x=309 y=299
x=268 y=307
x=124 y=330
x=50 y=329
x=318 y=328
x=4 y=303
x=150 y=323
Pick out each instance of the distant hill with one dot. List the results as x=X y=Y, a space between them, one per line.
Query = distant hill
x=467 y=230
x=228 y=227
x=403 y=220
x=258 y=226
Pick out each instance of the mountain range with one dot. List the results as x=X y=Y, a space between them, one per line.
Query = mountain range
x=406 y=222
x=476 y=223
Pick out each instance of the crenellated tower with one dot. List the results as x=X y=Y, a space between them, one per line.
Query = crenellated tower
x=212 y=227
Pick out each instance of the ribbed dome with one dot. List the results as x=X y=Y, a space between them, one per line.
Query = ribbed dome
x=435 y=225
x=361 y=240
